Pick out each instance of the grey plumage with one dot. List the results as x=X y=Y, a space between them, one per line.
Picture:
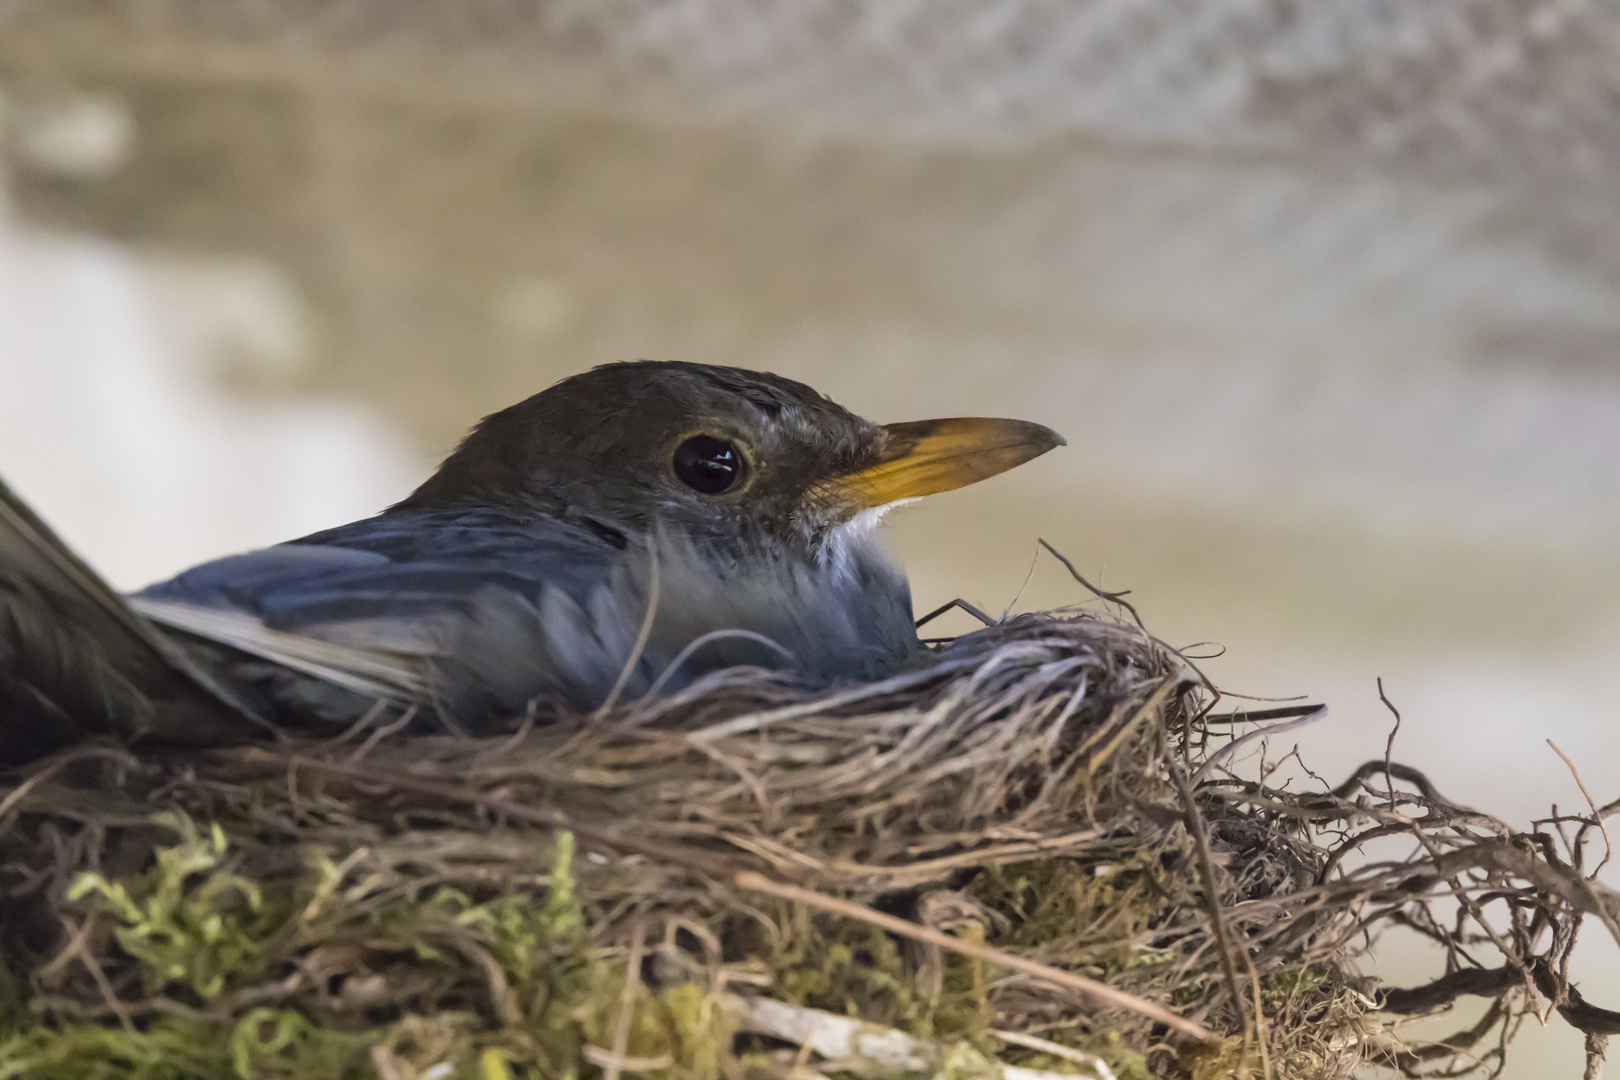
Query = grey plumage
x=627 y=529
x=477 y=657
x=75 y=660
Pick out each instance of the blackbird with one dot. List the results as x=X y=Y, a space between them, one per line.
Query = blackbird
x=622 y=532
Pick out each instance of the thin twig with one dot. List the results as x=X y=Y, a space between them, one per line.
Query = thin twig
x=1068 y=979
x=1034 y=557
x=550 y=819
x=957 y=603
x=78 y=947
x=1603 y=830
x=642 y=635
x=1597 y=1047
x=1248 y=716
x=627 y=1002
x=1389 y=746
x=846 y=1038
x=1231 y=748
x=1055 y=1049
x=382 y=733
x=1101 y=594
x=51 y=766
x=1217 y=918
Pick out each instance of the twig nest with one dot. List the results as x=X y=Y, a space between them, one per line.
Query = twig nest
x=1036 y=804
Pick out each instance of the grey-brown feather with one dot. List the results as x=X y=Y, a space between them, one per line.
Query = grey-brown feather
x=478 y=662
x=521 y=572
x=75 y=660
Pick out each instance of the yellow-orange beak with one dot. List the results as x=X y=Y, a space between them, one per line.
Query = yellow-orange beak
x=924 y=457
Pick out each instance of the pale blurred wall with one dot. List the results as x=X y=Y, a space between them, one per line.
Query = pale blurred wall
x=112 y=423
x=1325 y=296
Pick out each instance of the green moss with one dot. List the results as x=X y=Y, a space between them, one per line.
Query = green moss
x=844 y=966
x=1059 y=900
x=224 y=962
x=262 y=1043
x=189 y=919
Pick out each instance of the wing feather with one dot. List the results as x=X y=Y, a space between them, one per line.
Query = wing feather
x=75 y=658
x=371 y=673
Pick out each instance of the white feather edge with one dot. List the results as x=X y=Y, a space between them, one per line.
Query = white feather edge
x=364 y=671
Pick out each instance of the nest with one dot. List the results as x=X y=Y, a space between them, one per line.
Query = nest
x=1026 y=857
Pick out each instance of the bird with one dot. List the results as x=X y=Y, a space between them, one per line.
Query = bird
x=621 y=533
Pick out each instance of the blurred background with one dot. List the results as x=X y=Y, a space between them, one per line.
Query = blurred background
x=1324 y=293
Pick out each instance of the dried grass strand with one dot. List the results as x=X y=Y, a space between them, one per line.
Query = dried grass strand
x=1067 y=979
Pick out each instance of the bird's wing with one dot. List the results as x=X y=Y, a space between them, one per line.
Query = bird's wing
x=457 y=612
x=372 y=673
x=473 y=614
x=399 y=566
x=469 y=615
x=75 y=659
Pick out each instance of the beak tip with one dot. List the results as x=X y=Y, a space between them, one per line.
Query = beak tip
x=923 y=457
x=1046 y=439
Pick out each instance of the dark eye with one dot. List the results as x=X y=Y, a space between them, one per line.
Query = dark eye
x=707 y=464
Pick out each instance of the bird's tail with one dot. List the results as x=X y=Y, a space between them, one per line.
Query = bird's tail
x=75 y=660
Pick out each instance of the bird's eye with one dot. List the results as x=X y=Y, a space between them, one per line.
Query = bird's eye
x=707 y=464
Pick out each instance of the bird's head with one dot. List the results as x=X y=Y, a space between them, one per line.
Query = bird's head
x=733 y=458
